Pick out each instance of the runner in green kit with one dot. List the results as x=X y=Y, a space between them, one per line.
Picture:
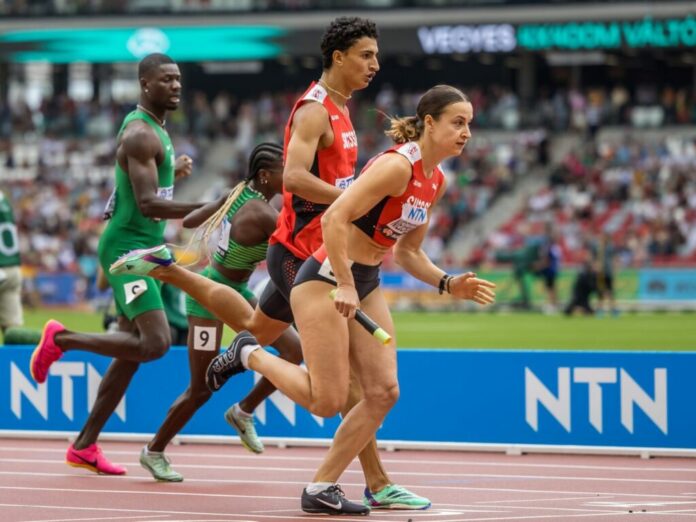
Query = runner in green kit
x=245 y=220
x=10 y=276
x=141 y=203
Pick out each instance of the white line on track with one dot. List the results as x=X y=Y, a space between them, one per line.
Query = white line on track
x=139 y=481
x=138 y=517
x=225 y=454
x=398 y=473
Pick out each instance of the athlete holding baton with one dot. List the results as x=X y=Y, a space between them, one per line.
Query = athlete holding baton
x=388 y=206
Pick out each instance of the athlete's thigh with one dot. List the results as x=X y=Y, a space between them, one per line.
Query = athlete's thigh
x=204 y=338
x=266 y=329
x=374 y=363
x=324 y=335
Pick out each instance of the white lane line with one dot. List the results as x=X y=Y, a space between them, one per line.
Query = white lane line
x=226 y=516
x=639 y=504
x=397 y=473
x=139 y=481
x=118 y=517
x=225 y=454
x=553 y=499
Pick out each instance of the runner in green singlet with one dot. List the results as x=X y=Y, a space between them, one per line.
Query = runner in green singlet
x=141 y=204
x=245 y=220
x=10 y=276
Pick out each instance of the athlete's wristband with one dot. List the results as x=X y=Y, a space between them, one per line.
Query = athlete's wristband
x=444 y=285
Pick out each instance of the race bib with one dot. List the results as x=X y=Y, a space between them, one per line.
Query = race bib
x=134 y=289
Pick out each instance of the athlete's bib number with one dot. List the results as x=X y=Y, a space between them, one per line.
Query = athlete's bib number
x=224 y=241
x=204 y=338
x=9 y=245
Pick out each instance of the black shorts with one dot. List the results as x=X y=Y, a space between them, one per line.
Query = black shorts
x=283 y=267
x=366 y=277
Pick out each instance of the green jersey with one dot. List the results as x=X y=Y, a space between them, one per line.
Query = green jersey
x=128 y=228
x=9 y=244
x=231 y=254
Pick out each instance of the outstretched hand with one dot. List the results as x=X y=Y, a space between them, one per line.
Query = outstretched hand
x=183 y=166
x=468 y=286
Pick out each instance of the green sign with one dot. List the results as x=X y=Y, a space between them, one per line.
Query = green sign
x=608 y=35
x=131 y=44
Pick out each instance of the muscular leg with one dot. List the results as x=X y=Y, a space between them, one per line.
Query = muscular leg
x=224 y=302
x=118 y=376
x=323 y=390
x=375 y=365
x=151 y=340
x=376 y=476
x=290 y=349
x=201 y=350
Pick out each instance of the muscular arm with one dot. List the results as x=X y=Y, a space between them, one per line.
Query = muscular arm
x=254 y=223
x=310 y=125
x=141 y=147
x=197 y=217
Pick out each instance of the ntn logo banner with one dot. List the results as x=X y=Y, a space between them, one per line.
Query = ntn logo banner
x=23 y=387
x=593 y=380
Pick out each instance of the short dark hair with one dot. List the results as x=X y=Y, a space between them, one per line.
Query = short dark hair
x=342 y=33
x=152 y=62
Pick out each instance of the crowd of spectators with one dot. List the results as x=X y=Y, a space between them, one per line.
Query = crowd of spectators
x=58 y=160
x=640 y=191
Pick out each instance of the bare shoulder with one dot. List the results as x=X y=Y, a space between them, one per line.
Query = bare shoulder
x=139 y=140
x=312 y=116
x=391 y=163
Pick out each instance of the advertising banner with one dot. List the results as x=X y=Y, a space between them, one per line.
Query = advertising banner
x=614 y=399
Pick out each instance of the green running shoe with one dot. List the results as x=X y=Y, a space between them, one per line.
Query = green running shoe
x=244 y=426
x=159 y=466
x=395 y=497
x=142 y=261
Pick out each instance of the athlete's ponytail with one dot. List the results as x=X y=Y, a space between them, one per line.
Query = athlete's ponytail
x=433 y=102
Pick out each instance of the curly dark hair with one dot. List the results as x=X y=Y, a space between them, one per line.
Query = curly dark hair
x=342 y=33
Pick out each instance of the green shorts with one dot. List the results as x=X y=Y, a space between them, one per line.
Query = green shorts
x=134 y=295
x=195 y=309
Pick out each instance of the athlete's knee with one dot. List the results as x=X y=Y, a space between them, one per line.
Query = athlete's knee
x=383 y=396
x=155 y=345
x=328 y=405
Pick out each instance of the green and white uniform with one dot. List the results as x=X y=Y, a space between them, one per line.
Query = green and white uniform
x=128 y=230
x=232 y=255
x=10 y=275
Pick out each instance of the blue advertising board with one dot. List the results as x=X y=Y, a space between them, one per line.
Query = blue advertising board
x=667 y=284
x=616 y=399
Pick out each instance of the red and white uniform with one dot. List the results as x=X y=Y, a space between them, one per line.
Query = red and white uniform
x=299 y=222
x=393 y=217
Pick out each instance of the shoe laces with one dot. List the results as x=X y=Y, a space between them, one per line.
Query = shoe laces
x=336 y=489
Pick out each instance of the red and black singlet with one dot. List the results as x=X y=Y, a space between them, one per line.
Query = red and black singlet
x=393 y=217
x=299 y=222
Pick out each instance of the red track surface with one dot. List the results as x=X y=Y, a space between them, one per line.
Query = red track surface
x=228 y=483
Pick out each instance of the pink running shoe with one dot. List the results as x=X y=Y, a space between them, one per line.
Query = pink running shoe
x=46 y=352
x=93 y=459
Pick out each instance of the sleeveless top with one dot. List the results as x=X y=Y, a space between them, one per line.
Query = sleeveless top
x=231 y=254
x=9 y=243
x=393 y=216
x=299 y=222
x=127 y=226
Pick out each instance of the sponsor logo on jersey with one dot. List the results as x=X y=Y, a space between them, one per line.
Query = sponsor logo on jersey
x=166 y=193
x=344 y=183
x=350 y=140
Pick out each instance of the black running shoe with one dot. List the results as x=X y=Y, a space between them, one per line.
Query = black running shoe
x=229 y=362
x=332 y=501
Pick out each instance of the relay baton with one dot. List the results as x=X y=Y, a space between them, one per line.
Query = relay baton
x=368 y=324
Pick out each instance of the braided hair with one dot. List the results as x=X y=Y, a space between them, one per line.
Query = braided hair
x=265 y=156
